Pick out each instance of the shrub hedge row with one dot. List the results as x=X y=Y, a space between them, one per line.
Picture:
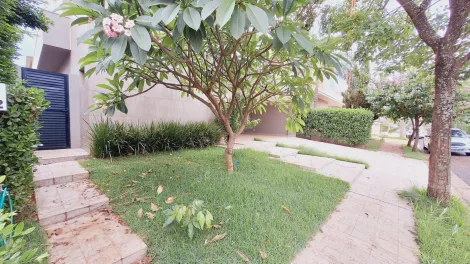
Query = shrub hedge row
x=19 y=139
x=109 y=138
x=345 y=126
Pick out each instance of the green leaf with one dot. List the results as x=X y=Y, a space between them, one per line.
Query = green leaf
x=287 y=6
x=110 y=111
x=192 y=18
x=159 y=2
x=303 y=42
x=190 y=230
x=88 y=34
x=209 y=219
x=145 y=20
x=141 y=36
x=237 y=25
x=196 y=39
x=258 y=18
x=89 y=5
x=283 y=34
x=180 y=24
x=277 y=44
x=169 y=13
x=224 y=12
x=119 y=48
x=168 y=221
x=201 y=219
x=89 y=72
x=139 y=55
x=80 y=21
x=2 y=179
x=157 y=17
x=209 y=8
x=105 y=86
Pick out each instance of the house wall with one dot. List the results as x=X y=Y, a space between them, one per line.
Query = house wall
x=159 y=104
x=271 y=122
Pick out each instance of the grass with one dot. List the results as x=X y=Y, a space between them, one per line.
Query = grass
x=407 y=151
x=249 y=201
x=258 y=139
x=37 y=238
x=402 y=138
x=443 y=232
x=374 y=144
x=314 y=152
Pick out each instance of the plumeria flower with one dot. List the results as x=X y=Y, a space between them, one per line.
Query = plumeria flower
x=116 y=17
x=127 y=32
x=130 y=24
x=106 y=21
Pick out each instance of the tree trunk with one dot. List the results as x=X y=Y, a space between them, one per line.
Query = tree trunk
x=416 y=134
x=439 y=161
x=229 y=152
x=411 y=137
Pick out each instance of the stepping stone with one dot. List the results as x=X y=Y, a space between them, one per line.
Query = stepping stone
x=98 y=237
x=279 y=152
x=60 y=155
x=58 y=203
x=342 y=170
x=308 y=162
x=59 y=173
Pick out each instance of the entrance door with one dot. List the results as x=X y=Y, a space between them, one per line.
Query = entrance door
x=55 y=131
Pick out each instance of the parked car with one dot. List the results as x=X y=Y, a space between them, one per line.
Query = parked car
x=459 y=142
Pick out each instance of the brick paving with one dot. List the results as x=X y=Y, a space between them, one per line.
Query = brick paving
x=73 y=212
x=372 y=224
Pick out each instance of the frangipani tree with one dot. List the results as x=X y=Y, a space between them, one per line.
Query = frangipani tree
x=227 y=54
x=405 y=96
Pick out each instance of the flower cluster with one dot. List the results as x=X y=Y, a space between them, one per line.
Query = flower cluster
x=113 y=26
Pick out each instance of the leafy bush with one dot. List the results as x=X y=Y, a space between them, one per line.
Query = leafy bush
x=110 y=138
x=192 y=216
x=344 y=126
x=19 y=138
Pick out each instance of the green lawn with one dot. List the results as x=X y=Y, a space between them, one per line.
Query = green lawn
x=249 y=201
x=374 y=144
x=314 y=152
x=443 y=232
x=413 y=155
x=38 y=238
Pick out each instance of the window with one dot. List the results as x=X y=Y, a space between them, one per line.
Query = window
x=458 y=134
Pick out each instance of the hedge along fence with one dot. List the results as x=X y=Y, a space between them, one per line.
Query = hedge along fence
x=344 y=126
x=19 y=139
x=110 y=138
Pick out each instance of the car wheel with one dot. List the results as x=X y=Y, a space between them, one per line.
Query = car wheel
x=468 y=153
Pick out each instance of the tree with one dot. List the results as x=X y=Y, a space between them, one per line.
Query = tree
x=14 y=16
x=405 y=97
x=214 y=51
x=451 y=54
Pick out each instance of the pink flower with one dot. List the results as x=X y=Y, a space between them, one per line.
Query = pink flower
x=127 y=32
x=116 y=17
x=130 y=24
x=106 y=21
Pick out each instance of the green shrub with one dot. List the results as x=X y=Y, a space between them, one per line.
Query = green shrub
x=190 y=217
x=110 y=138
x=345 y=126
x=19 y=138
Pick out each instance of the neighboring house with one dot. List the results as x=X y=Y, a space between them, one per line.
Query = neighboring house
x=65 y=122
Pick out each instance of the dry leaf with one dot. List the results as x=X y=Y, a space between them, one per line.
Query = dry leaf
x=58 y=231
x=218 y=226
x=154 y=207
x=170 y=200
x=263 y=254
x=140 y=213
x=216 y=238
x=149 y=171
x=245 y=258
x=285 y=209
x=150 y=216
x=160 y=189
x=142 y=199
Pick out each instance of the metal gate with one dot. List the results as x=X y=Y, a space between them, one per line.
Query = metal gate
x=55 y=131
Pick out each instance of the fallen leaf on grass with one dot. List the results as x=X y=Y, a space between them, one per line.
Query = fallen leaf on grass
x=142 y=199
x=154 y=207
x=150 y=216
x=216 y=238
x=263 y=255
x=160 y=189
x=245 y=258
x=140 y=213
x=218 y=226
x=285 y=209
x=149 y=171
x=170 y=200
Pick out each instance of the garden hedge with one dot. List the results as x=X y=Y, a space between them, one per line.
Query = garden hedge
x=19 y=139
x=339 y=125
x=109 y=138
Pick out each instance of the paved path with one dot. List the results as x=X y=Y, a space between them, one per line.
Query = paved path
x=372 y=224
x=73 y=212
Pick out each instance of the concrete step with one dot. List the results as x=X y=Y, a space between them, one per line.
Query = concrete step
x=58 y=203
x=59 y=173
x=60 y=155
x=342 y=170
x=308 y=162
x=98 y=237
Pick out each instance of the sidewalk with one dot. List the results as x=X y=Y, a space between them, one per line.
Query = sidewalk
x=372 y=224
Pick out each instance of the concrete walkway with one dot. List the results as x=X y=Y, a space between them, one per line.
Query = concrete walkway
x=73 y=212
x=372 y=224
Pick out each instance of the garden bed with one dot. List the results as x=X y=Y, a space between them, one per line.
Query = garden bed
x=264 y=206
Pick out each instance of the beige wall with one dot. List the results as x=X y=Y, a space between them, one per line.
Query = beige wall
x=159 y=104
x=272 y=122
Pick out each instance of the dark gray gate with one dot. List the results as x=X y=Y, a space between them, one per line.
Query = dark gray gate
x=55 y=131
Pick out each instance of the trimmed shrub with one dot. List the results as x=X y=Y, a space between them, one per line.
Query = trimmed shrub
x=344 y=126
x=19 y=139
x=110 y=138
